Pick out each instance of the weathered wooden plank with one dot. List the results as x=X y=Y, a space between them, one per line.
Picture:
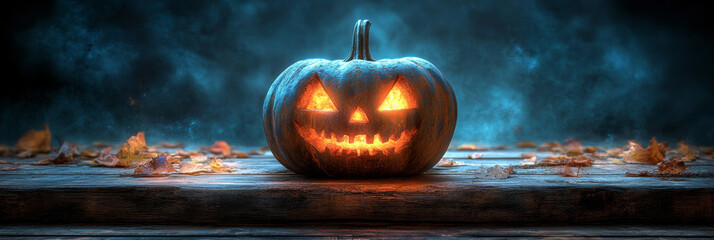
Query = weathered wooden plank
x=271 y=166
x=214 y=199
x=358 y=230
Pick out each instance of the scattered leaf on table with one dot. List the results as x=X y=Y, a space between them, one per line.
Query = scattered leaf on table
x=108 y=159
x=500 y=147
x=448 y=162
x=219 y=147
x=9 y=168
x=65 y=155
x=571 y=144
x=529 y=159
x=198 y=158
x=158 y=166
x=616 y=161
x=89 y=154
x=45 y=161
x=526 y=144
x=573 y=161
x=194 y=168
x=470 y=147
x=568 y=172
x=3 y=161
x=171 y=145
x=653 y=154
x=685 y=152
x=474 y=156
x=638 y=174
x=591 y=149
x=615 y=152
x=264 y=148
x=25 y=154
x=495 y=172
x=218 y=166
x=134 y=151
x=36 y=140
x=671 y=167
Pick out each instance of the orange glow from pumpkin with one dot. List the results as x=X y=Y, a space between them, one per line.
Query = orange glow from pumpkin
x=315 y=98
x=400 y=97
x=359 y=117
x=338 y=145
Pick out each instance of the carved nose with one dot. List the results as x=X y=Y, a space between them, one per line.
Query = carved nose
x=359 y=116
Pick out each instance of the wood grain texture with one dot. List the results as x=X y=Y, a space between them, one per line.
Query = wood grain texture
x=261 y=190
x=357 y=230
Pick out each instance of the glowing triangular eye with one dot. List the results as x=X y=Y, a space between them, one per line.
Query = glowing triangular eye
x=359 y=116
x=400 y=97
x=315 y=98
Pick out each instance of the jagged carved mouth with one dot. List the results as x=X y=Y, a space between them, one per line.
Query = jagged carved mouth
x=357 y=144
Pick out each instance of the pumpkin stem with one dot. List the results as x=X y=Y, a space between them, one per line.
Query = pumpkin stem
x=360 y=42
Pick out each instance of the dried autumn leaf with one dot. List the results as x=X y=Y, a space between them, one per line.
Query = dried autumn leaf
x=448 y=162
x=500 y=147
x=24 y=154
x=198 y=158
x=470 y=147
x=616 y=161
x=685 y=152
x=615 y=152
x=529 y=159
x=180 y=153
x=171 y=145
x=218 y=166
x=550 y=145
x=526 y=144
x=591 y=149
x=9 y=168
x=194 y=168
x=66 y=154
x=46 y=161
x=571 y=144
x=36 y=140
x=671 y=167
x=497 y=172
x=567 y=172
x=134 y=151
x=638 y=174
x=89 y=154
x=157 y=166
x=219 y=147
x=474 y=156
x=3 y=161
x=108 y=159
x=653 y=154
x=573 y=161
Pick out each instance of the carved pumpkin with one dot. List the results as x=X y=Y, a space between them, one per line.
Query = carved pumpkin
x=360 y=117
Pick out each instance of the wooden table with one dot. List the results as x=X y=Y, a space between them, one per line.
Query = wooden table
x=260 y=191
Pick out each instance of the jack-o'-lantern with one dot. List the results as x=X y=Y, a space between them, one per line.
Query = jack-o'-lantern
x=360 y=117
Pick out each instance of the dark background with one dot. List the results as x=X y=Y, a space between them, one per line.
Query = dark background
x=194 y=71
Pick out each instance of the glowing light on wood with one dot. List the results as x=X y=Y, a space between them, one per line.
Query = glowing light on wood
x=400 y=97
x=358 y=145
x=315 y=98
x=359 y=117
